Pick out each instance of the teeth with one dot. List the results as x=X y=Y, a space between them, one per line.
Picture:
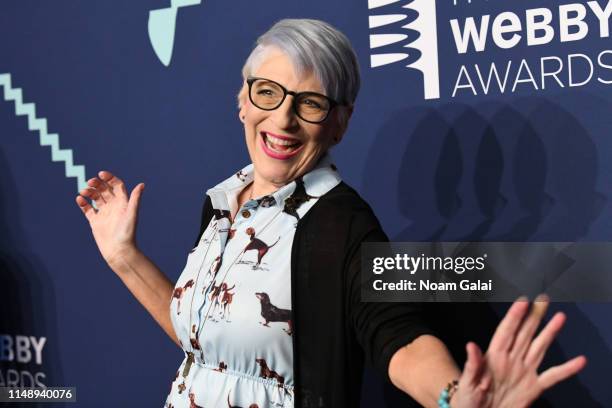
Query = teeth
x=277 y=148
x=280 y=142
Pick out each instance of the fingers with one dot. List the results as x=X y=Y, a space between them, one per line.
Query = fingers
x=93 y=195
x=559 y=373
x=529 y=327
x=473 y=364
x=135 y=196
x=485 y=382
x=108 y=186
x=116 y=185
x=540 y=344
x=85 y=207
x=506 y=331
x=100 y=183
x=103 y=189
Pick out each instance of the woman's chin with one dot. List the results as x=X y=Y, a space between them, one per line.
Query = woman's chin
x=276 y=177
x=279 y=172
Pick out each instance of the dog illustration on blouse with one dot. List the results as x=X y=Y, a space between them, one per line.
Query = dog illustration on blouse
x=229 y=404
x=217 y=296
x=226 y=301
x=192 y=403
x=195 y=344
x=219 y=214
x=241 y=175
x=214 y=297
x=182 y=387
x=271 y=313
x=256 y=244
x=267 y=372
x=296 y=199
x=222 y=367
x=206 y=239
x=211 y=274
x=179 y=292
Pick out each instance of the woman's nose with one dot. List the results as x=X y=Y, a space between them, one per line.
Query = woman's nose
x=284 y=116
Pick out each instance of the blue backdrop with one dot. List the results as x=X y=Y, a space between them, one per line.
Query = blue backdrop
x=471 y=124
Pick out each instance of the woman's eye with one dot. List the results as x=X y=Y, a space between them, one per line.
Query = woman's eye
x=311 y=103
x=266 y=92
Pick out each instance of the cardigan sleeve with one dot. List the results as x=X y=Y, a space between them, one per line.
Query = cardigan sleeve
x=381 y=328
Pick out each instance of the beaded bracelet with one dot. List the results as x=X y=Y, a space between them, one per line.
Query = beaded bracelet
x=447 y=393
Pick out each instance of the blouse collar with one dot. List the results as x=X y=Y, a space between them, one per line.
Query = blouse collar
x=322 y=178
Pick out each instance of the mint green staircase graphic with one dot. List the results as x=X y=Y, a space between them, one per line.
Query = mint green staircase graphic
x=162 y=26
x=40 y=125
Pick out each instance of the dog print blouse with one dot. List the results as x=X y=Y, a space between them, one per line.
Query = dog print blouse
x=231 y=305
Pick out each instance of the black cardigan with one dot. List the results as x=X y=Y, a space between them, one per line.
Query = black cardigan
x=334 y=332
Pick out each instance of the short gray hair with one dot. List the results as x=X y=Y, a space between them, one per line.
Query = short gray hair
x=312 y=46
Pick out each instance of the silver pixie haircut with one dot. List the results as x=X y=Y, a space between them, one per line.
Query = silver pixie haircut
x=312 y=46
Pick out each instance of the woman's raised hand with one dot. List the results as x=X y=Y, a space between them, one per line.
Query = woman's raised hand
x=507 y=375
x=114 y=221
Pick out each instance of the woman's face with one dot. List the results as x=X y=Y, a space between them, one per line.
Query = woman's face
x=282 y=146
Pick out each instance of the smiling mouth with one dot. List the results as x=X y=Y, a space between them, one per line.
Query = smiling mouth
x=280 y=147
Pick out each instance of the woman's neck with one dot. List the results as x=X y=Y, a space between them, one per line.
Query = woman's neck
x=255 y=189
x=261 y=189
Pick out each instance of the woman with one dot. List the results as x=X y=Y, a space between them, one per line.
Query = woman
x=268 y=306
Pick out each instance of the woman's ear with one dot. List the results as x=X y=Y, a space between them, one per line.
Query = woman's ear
x=343 y=117
x=349 y=113
x=241 y=97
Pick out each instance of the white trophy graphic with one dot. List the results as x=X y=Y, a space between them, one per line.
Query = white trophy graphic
x=426 y=43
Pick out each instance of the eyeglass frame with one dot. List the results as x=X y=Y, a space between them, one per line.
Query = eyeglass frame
x=332 y=103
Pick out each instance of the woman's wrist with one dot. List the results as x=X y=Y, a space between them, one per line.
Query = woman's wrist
x=122 y=259
x=447 y=394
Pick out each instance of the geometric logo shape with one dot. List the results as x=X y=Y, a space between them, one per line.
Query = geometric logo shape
x=427 y=42
x=40 y=125
x=162 y=27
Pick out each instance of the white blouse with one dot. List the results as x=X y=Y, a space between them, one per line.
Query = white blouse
x=231 y=307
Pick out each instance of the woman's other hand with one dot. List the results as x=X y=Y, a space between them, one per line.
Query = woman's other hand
x=507 y=375
x=113 y=223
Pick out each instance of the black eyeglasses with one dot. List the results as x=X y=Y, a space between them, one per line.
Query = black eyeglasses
x=268 y=95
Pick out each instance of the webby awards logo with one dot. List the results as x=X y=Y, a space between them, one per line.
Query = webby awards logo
x=426 y=43
x=490 y=46
x=21 y=361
